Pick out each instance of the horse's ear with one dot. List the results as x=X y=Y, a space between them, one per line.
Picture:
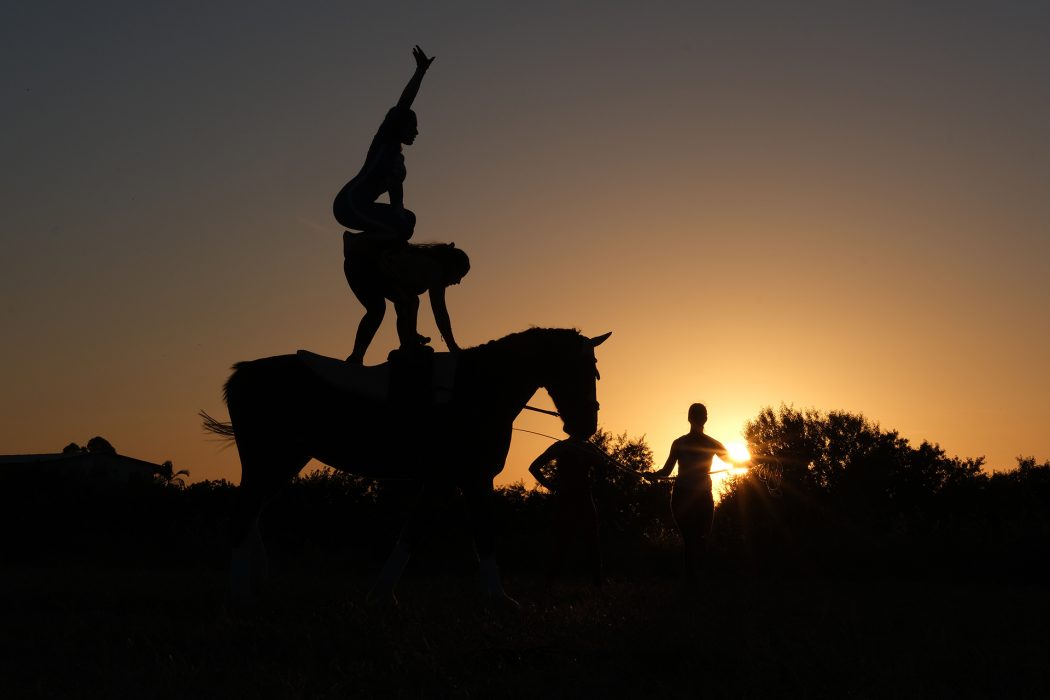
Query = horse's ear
x=596 y=341
x=452 y=245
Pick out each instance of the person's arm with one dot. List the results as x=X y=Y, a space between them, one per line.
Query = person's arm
x=410 y=91
x=536 y=468
x=722 y=453
x=396 y=190
x=672 y=457
x=444 y=324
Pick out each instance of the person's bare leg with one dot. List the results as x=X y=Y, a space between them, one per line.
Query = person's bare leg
x=407 y=309
x=375 y=309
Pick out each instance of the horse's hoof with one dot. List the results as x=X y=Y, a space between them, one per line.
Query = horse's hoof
x=240 y=602
x=381 y=599
x=503 y=603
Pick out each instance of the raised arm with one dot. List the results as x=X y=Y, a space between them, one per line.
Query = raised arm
x=410 y=91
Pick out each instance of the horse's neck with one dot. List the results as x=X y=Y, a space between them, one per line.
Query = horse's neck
x=508 y=381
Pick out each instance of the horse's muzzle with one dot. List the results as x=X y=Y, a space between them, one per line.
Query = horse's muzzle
x=581 y=430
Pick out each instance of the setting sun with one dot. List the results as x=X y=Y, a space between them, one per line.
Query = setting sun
x=721 y=471
x=738 y=451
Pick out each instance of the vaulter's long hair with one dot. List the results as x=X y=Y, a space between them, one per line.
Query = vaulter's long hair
x=452 y=260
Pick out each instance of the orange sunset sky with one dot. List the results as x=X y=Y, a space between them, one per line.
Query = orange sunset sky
x=831 y=205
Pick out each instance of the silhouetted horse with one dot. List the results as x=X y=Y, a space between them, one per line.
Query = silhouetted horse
x=282 y=414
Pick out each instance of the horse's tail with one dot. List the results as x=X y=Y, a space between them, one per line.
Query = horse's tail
x=223 y=430
x=216 y=427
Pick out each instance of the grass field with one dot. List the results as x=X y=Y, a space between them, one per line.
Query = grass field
x=155 y=633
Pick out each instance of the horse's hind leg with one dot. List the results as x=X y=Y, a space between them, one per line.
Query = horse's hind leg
x=249 y=565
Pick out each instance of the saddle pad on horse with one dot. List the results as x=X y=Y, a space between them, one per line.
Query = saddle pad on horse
x=374 y=382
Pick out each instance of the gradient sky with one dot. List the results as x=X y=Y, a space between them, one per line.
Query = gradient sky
x=832 y=205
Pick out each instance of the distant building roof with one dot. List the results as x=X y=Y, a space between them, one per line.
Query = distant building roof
x=101 y=465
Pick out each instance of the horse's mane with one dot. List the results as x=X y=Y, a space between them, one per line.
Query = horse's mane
x=535 y=343
x=528 y=339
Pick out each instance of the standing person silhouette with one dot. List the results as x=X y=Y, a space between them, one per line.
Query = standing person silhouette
x=692 y=503
x=575 y=513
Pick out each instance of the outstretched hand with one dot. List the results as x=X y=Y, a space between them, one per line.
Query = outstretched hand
x=422 y=62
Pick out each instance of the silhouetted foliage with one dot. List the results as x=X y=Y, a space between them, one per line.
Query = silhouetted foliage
x=630 y=510
x=857 y=496
x=100 y=445
x=169 y=477
x=854 y=497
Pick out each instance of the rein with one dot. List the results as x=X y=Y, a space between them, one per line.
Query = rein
x=601 y=453
x=609 y=460
x=770 y=477
x=543 y=410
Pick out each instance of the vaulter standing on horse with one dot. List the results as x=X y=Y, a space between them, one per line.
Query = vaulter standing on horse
x=378 y=262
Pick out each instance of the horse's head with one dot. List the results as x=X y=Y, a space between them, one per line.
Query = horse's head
x=572 y=387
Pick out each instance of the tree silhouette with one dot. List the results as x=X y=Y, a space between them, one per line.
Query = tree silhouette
x=168 y=477
x=625 y=501
x=100 y=445
x=850 y=459
x=850 y=491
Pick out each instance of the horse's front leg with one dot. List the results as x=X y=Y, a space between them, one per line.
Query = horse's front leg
x=480 y=501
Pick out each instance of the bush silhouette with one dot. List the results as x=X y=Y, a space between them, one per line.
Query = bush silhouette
x=854 y=498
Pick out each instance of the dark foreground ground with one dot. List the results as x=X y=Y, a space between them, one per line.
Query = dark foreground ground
x=153 y=633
